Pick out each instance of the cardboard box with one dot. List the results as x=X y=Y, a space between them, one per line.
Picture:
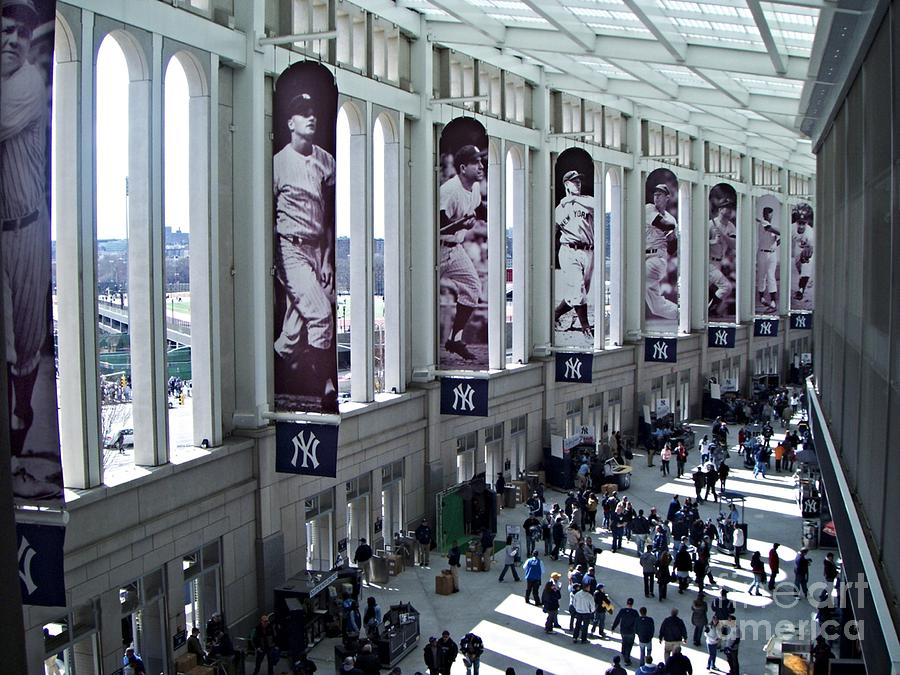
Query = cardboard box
x=185 y=663
x=443 y=584
x=395 y=564
x=202 y=670
x=473 y=561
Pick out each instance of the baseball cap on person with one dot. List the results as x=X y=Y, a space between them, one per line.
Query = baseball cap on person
x=20 y=9
x=662 y=187
x=301 y=104
x=572 y=175
x=726 y=203
x=468 y=154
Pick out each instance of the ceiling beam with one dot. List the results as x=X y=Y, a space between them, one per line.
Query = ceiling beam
x=497 y=57
x=726 y=84
x=564 y=21
x=622 y=48
x=654 y=20
x=579 y=73
x=649 y=76
x=407 y=20
x=474 y=19
x=766 y=33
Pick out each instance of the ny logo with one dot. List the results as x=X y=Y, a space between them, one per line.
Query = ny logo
x=573 y=369
x=309 y=446
x=800 y=321
x=463 y=397
x=660 y=351
x=765 y=328
x=811 y=506
x=721 y=338
x=26 y=556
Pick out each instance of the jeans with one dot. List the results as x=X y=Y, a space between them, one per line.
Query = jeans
x=646 y=649
x=581 y=626
x=474 y=665
x=272 y=656
x=551 y=620
x=640 y=541
x=599 y=621
x=711 y=649
x=698 y=633
x=665 y=467
x=424 y=552
x=533 y=588
x=772 y=575
x=617 y=538
x=648 y=583
x=512 y=568
x=627 y=644
x=801 y=583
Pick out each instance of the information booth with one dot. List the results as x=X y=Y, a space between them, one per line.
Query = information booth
x=308 y=603
x=398 y=635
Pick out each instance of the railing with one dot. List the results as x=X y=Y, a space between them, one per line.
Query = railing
x=179 y=325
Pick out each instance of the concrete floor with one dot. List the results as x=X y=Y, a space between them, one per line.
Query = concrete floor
x=513 y=630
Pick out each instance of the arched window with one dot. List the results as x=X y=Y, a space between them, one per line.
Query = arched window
x=342 y=251
x=612 y=224
x=117 y=430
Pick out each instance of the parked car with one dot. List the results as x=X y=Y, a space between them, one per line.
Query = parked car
x=121 y=439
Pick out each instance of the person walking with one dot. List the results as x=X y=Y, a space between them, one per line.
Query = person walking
x=681 y=455
x=583 y=604
x=757 y=566
x=453 y=563
x=711 y=633
x=510 y=560
x=471 y=647
x=616 y=667
x=640 y=528
x=550 y=597
x=648 y=567
x=663 y=574
x=626 y=621
x=722 y=607
x=678 y=663
x=801 y=572
x=665 y=456
x=534 y=572
x=602 y=606
x=737 y=542
x=672 y=633
x=699 y=617
x=732 y=643
x=774 y=565
x=724 y=470
x=645 y=630
x=263 y=640
x=423 y=543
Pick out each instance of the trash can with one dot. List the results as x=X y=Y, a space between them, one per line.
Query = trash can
x=810 y=537
x=378 y=570
x=509 y=497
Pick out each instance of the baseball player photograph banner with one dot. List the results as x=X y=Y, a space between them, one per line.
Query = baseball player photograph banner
x=801 y=320
x=463 y=396
x=41 y=570
x=722 y=226
x=661 y=252
x=574 y=367
x=573 y=304
x=25 y=86
x=463 y=274
x=304 y=126
x=660 y=350
x=721 y=337
x=306 y=449
x=803 y=272
x=768 y=253
x=765 y=327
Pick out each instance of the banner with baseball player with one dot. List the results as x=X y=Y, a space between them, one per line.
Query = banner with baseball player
x=803 y=240
x=304 y=124
x=25 y=86
x=768 y=254
x=573 y=216
x=722 y=230
x=661 y=252
x=463 y=241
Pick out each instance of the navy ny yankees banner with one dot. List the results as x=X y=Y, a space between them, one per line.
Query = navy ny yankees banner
x=25 y=85
x=803 y=272
x=573 y=243
x=801 y=320
x=722 y=230
x=765 y=327
x=303 y=183
x=460 y=396
x=574 y=367
x=721 y=337
x=463 y=241
x=768 y=253
x=306 y=449
x=660 y=350
x=40 y=551
x=661 y=252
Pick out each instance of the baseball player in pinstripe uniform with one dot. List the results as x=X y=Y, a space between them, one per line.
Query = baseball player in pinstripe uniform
x=303 y=180
x=802 y=248
x=575 y=231
x=659 y=226
x=767 y=241
x=461 y=212
x=24 y=213
x=722 y=247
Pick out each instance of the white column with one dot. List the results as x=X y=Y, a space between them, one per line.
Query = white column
x=633 y=253
x=688 y=228
x=75 y=272
x=496 y=253
x=616 y=256
x=394 y=271
x=521 y=251
x=699 y=244
x=784 y=283
x=361 y=309
x=252 y=228
x=746 y=250
x=598 y=289
x=539 y=269
x=205 y=306
x=422 y=213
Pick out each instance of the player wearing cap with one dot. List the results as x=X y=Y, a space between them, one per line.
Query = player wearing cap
x=575 y=252
x=659 y=226
x=768 y=240
x=303 y=180
x=461 y=212
x=722 y=247
x=802 y=248
x=24 y=215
